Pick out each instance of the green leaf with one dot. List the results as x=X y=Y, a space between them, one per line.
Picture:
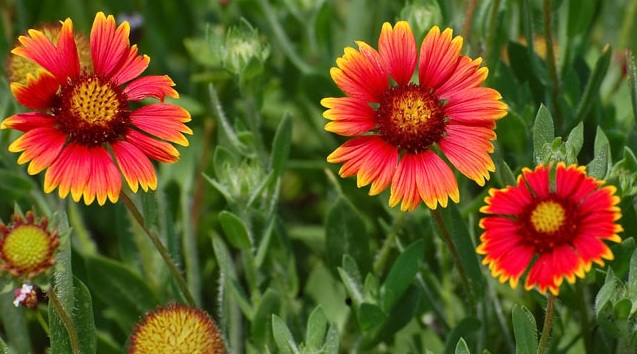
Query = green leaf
x=345 y=233
x=331 y=340
x=593 y=84
x=574 y=143
x=462 y=348
x=464 y=329
x=283 y=337
x=370 y=316
x=543 y=133
x=632 y=276
x=13 y=319
x=632 y=80
x=261 y=326
x=235 y=230
x=351 y=277
x=401 y=275
x=281 y=145
x=461 y=238
x=580 y=14
x=600 y=166
x=316 y=329
x=4 y=349
x=125 y=292
x=525 y=330
x=82 y=317
x=14 y=186
x=224 y=161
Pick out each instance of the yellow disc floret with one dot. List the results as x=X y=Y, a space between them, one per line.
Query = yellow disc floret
x=548 y=217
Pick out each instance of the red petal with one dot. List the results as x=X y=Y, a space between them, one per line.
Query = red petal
x=467 y=74
x=350 y=116
x=130 y=67
x=468 y=148
x=153 y=148
x=61 y=61
x=109 y=45
x=105 y=180
x=538 y=180
x=476 y=105
x=150 y=86
x=27 y=121
x=136 y=167
x=398 y=51
x=41 y=146
x=39 y=92
x=360 y=73
x=70 y=171
x=163 y=121
x=438 y=56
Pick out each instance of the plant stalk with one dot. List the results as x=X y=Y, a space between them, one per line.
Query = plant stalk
x=548 y=324
x=181 y=282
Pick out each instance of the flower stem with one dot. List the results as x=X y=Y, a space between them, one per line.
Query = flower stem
x=181 y=282
x=550 y=58
x=468 y=17
x=66 y=321
x=548 y=324
x=45 y=326
x=444 y=232
x=383 y=254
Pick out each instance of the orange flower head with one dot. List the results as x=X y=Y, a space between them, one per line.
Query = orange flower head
x=176 y=329
x=81 y=117
x=555 y=228
x=19 y=68
x=27 y=248
x=400 y=129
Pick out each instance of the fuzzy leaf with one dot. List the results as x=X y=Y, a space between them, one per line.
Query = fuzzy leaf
x=525 y=330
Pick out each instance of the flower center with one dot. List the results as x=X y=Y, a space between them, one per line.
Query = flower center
x=26 y=249
x=548 y=217
x=548 y=223
x=411 y=118
x=92 y=110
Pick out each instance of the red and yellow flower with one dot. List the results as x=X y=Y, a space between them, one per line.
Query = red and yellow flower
x=554 y=226
x=82 y=118
x=400 y=128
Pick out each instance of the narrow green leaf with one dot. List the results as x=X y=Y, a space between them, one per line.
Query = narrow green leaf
x=401 y=274
x=632 y=80
x=235 y=230
x=4 y=349
x=370 y=316
x=543 y=132
x=283 y=337
x=345 y=233
x=505 y=174
x=462 y=348
x=580 y=14
x=224 y=161
x=281 y=145
x=82 y=316
x=331 y=340
x=464 y=329
x=226 y=127
x=461 y=238
x=125 y=292
x=593 y=84
x=575 y=142
x=316 y=329
x=351 y=277
x=525 y=330
x=600 y=166
x=632 y=276
x=261 y=325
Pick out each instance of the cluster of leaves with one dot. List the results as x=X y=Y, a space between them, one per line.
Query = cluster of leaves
x=287 y=257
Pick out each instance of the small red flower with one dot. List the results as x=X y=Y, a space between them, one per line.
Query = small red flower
x=554 y=227
x=401 y=129
x=82 y=118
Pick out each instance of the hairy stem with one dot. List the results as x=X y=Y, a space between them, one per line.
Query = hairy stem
x=548 y=324
x=181 y=282
x=66 y=321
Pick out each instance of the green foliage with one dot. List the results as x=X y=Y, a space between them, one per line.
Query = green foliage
x=283 y=254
